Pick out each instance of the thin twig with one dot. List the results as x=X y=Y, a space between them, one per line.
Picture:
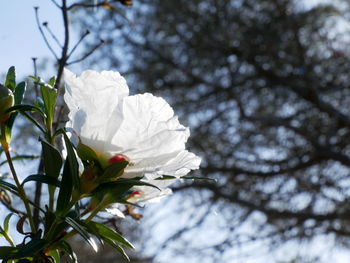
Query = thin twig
x=46 y=25
x=35 y=75
x=64 y=55
x=42 y=32
x=87 y=54
x=87 y=32
x=55 y=3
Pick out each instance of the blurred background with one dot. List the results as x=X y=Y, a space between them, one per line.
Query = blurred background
x=264 y=87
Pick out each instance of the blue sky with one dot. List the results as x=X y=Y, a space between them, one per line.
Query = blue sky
x=20 y=39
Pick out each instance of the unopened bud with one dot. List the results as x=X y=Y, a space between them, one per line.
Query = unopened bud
x=117 y=159
x=6 y=102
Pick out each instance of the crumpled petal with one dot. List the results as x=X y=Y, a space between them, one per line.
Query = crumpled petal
x=152 y=138
x=142 y=127
x=93 y=99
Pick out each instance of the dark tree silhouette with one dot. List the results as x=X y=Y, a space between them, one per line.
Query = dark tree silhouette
x=264 y=86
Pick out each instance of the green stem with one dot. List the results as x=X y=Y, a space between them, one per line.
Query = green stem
x=8 y=238
x=21 y=191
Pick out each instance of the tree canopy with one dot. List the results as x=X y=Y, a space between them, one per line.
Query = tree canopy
x=264 y=86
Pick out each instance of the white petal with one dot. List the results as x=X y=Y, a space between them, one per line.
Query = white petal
x=93 y=99
x=152 y=137
x=150 y=194
x=174 y=164
x=149 y=128
x=114 y=210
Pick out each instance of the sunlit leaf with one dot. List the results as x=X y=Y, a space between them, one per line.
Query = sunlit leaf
x=10 y=81
x=76 y=226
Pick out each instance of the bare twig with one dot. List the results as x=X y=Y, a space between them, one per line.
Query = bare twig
x=42 y=32
x=55 y=3
x=87 y=32
x=88 y=53
x=35 y=74
x=64 y=55
x=46 y=25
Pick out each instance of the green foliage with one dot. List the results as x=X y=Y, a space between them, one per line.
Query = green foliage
x=10 y=81
x=52 y=159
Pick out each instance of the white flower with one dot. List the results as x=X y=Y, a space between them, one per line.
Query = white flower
x=141 y=127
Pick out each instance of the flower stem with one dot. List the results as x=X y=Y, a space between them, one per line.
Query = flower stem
x=21 y=191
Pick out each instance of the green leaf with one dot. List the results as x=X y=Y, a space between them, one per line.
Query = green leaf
x=118 y=248
x=65 y=193
x=21 y=157
x=170 y=177
x=52 y=81
x=80 y=229
x=26 y=107
x=86 y=153
x=31 y=248
x=113 y=191
x=55 y=255
x=6 y=252
x=49 y=96
x=19 y=92
x=42 y=178
x=52 y=159
x=114 y=170
x=133 y=182
x=32 y=120
x=70 y=178
x=64 y=246
x=11 y=78
x=6 y=222
x=8 y=186
x=105 y=232
x=72 y=159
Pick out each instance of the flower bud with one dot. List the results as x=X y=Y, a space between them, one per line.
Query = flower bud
x=118 y=158
x=6 y=102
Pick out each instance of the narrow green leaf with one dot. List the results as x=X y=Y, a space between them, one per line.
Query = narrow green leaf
x=105 y=232
x=11 y=78
x=170 y=177
x=26 y=107
x=64 y=246
x=21 y=157
x=65 y=193
x=133 y=182
x=49 y=96
x=6 y=252
x=19 y=92
x=72 y=159
x=6 y=222
x=52 y=81
x=115 y=192
x=76 y=226
x=31 y=248
x=70 y=177
x=52 y=159
x=42 y=178
x=32 y=120
x=55 y=254
x=8 y=186
x=114 y=170
x=118 y=248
